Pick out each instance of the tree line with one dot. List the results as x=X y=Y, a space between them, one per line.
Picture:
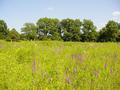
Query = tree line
x=66 y=30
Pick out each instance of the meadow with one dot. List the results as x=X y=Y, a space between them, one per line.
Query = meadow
x=57 y=65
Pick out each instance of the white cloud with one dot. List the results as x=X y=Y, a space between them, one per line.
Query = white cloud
x=116 y=13
x=50 y=8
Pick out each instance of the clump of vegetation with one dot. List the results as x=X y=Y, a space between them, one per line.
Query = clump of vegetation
x=64 y=30
x=13 y=35
x=48 y=65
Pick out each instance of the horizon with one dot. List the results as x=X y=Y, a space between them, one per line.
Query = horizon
x=16 y=13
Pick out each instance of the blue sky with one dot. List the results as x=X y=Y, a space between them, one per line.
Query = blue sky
x=17 y=12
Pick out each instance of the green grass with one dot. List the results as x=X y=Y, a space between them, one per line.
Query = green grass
x=53 y=65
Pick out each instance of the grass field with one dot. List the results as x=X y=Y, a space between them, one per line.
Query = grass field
x=53 y=65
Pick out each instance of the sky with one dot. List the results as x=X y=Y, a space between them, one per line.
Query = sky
x=17 y=12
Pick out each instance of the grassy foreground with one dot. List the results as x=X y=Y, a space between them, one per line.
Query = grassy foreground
x=52 y=65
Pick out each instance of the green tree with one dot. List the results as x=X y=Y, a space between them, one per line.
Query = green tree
x=3 y=29
x=67 y=36
x=29 y=31
x=118 y=38
x=48 y=28
x=88 y=31
x=110 y=32
x=13 y=35
x=71 y=29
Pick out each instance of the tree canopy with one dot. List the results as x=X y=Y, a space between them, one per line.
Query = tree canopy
x=13 y=35
x=110 y=32
x=71 y=29
x=3 y=29
x=29 y=31
x=65 y=29
x=89 y=31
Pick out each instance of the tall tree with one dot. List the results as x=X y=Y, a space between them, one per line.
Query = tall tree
x=13 y=35
x=71 y=29
x=110 y=32
x=89 y=31
x=3 y=29
x=118 y=38
x=29 y=31
x=49 y=28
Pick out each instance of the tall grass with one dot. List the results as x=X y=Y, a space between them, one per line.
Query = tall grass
x=53 y=65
